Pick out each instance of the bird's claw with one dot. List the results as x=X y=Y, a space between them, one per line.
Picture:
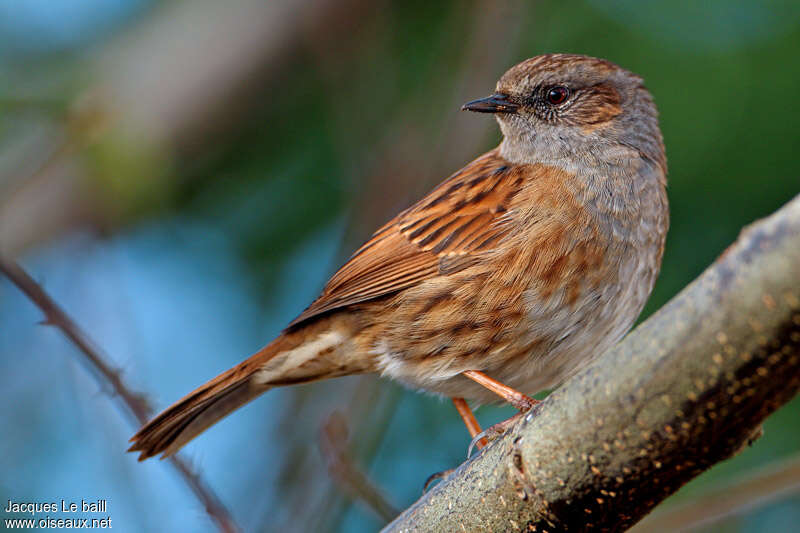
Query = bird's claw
x=435 y=477
x=492 y=432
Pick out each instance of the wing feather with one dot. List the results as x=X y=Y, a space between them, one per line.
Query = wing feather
x=462 y=217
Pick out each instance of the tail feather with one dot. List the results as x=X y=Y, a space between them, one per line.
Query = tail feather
x=194 y=413
x=305 y=355
x=190 y=416
x=185 y=420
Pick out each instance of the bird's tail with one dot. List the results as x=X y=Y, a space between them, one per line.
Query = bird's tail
x=289 y=359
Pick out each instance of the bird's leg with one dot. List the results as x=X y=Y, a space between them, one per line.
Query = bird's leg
x=470 y=421
x=514 y=397
x=474 y=429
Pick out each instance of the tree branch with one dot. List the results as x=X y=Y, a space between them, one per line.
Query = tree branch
x=135 y=403
x=685 y=390
x=333 y=443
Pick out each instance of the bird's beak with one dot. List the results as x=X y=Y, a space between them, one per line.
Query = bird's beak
x=496 y=103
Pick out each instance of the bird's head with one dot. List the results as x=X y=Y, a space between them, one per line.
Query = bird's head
x=560 y=103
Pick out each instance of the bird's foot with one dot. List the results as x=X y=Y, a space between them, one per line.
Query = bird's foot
x=497 y=430
x=438 y=476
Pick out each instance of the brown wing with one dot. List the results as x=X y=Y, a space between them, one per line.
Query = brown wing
x=459 y=219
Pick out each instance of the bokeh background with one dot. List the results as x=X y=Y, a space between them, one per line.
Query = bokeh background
x=182 y=176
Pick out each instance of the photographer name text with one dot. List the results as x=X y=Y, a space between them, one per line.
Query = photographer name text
x=93 y=506
x=52 y=522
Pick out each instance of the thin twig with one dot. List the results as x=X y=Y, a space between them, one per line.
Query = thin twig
x=755 y=489
x=333 y=437
x=135 y=403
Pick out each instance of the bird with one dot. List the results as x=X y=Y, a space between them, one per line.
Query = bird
x=506 y=279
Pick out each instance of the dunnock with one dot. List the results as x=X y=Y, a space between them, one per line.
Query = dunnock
x=506 y=279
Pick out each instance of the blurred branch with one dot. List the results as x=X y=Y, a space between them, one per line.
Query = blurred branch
x=140 y=108
x=333 y=443
x=736 y=497
x=686 y=389
x=367 y=412
x=135 y=403
x=137 y=72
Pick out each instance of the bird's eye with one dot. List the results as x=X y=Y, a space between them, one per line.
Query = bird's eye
x=557 y=95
